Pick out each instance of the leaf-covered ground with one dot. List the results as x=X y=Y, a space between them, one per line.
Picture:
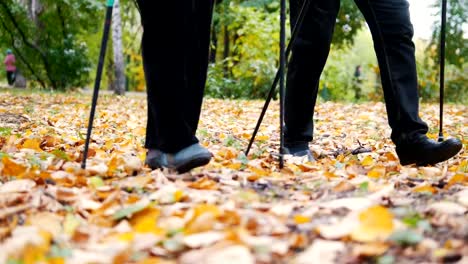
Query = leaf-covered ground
x=356 y=204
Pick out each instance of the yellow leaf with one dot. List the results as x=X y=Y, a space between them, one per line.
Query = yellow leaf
x=126 y=237
x=204 y=217
x=301 y=219
x=367 y=161
x=377 y=172
x=330 y=175
x=225 y=154
x=204 y=184
x=262 y=138
x=457 y=179
x=463 y=166
x=115 y=162
x=11 y=168
x=178 y=195
x=146 y=222
x=376 y=224
x=151 y=260
x=33 y=254
x=206 y=208
x=425 y=188
x=32 y=144
x=390 y=156
x=234 y=166
x=259 y=171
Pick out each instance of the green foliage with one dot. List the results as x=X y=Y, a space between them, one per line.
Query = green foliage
x=456 y=41
x=58 y=49
x=247 y=72
x=456 y=79
x=46 y=42
x=246 y=35
x=349 y=22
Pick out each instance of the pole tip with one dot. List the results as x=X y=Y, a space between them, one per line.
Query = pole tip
x=441 y=137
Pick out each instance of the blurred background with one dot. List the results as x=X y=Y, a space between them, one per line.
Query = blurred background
x=56 y=44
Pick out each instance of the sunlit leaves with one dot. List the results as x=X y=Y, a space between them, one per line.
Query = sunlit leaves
x=355 y=201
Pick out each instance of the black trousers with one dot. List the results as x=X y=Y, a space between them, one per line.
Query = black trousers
x=392 y=32
x=11 y=76
x=175 y=56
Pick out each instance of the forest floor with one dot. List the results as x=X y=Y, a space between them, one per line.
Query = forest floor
x=355 y=204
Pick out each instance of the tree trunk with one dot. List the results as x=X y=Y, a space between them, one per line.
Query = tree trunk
x=226 y=50
x=119 y=62
x=214 y=43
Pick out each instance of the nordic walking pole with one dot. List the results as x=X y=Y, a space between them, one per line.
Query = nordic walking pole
x=294 y=34
x=97 y=83
x=442 y=70
x=282 y=70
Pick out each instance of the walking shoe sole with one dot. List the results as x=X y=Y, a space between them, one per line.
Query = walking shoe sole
x=193 y=163
x=450 y=152
x=185 y=167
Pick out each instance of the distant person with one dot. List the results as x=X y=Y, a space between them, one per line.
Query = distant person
x=357 y=82
x=10 y=65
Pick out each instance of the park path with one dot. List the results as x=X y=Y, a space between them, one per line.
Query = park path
x=354 y=204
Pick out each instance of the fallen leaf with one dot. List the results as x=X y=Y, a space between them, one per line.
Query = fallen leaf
x=11 y=168
x=321 y=251
x=32 y=144
x=233 y=254
x=376 y=224
x=457 y=179
x=203 y=239
x=128 y=211
x=406 y=238
x=301 y=219
x=377 y=172
x=368 y=161
x=204 y=184
x=449 y=208
x=425 y=189
x=370 y=250
x=17 y=186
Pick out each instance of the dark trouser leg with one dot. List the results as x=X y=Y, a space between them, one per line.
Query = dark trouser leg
x=308 y=58
x=198 y=61
x=10 y=77
x=174 y=96
x=392 y=31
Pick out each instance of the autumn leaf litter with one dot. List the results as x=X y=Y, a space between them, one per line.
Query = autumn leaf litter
x=354 y=204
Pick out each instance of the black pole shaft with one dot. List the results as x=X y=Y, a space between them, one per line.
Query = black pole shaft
x=97 y=83
x=294 y=34
x=282 y=79
x=442 y=69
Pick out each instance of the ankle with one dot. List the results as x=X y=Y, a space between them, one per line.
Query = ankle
x=297 y=147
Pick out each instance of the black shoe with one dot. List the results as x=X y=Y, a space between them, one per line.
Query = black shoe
x=423 y=151
x=182 y=161
x=299 y=152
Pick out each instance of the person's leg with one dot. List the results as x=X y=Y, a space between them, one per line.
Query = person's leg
x=392 y=32
x=309 y=55
x=9 y=77
x=165 y=60
x=198 y=46
x=175 y=76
